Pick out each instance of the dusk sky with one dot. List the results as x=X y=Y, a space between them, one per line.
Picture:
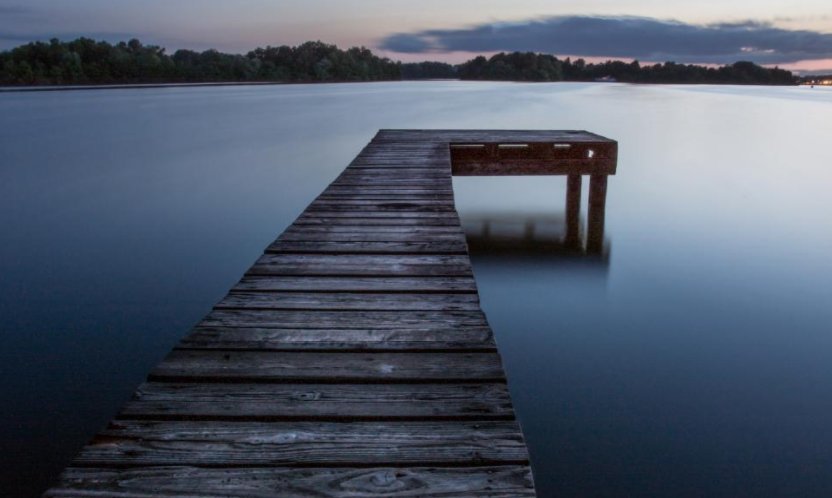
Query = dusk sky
x=795 y=34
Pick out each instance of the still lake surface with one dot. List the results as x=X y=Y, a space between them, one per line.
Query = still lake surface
x=695 y=360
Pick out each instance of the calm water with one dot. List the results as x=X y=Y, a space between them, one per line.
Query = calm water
x=695 y=360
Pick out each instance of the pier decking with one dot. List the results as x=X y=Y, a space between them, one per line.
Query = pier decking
x=353 y=358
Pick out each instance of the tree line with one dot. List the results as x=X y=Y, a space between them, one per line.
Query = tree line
x=518 y=66
x=85 y=61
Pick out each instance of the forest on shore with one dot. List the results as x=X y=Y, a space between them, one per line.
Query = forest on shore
x=89 y=62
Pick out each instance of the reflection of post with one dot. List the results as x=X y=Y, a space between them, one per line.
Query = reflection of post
x=528 y=233
x=573 y=211
x=597 y=205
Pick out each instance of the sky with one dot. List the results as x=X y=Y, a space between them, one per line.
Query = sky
x=794 y=34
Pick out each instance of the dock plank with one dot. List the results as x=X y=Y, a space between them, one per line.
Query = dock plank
x=358 y=284
x=371 y=233
x=367 y=247
x=162 y=400
x=386 y=221
x=507 y=481
x=341 y=367
x=304 y=319
x=368 y=339
x=348 y=301
x=234 y=444
x=362 y=265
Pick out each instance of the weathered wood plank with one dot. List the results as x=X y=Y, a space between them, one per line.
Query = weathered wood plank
x=310 y=339
x=371 y=195
x=388 y=191
x=431 y=320
x=162 y=400
x=256 y=366
x=391 y=183
x=362 y=202
x=349 y=301
x=372 y=163
x=397 y=180
x=373 y=233
x=230 y=444
x=192 y=482
x=315 y=264
x=405 y=153
x=376 y=247
x=449 y=217
x=382 y=197
x=402 y=155
x=398 y=167
x=410 y=209
x=387 y=221
x=374 y=177
x=392 y=200
x=398 y=204
x=358 y=284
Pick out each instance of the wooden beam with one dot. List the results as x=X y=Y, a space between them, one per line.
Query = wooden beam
x=597 y=213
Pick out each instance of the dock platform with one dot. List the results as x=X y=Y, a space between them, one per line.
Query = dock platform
x=352 y=359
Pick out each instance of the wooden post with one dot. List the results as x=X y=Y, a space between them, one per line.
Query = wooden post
x=573 y=211
x=597 y=206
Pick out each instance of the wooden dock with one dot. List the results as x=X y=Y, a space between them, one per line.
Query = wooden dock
x=353 y=358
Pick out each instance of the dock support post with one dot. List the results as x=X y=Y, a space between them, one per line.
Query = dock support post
x=573 y=211
x=597 y=206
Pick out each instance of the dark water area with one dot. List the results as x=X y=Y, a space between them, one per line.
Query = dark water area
x=693 y=359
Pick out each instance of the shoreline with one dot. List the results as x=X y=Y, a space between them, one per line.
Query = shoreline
x=140 y=86
x=131 y=86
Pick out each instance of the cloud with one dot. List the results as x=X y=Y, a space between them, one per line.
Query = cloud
x=20 y=25
x=626 y=37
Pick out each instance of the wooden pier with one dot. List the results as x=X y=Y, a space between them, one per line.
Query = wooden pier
x=353 y=358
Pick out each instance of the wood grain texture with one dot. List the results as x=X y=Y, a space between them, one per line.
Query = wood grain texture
x=362 y=265
x=386 y=221
x=508 y=481
x=161 y=400
x=348 y=301
x=368 y=190
x=447 y=216
x=358 y=284
x=455 y=247
x=234 y=444
x=390 y=320
x=369 y=339
x=390 y=203
x=393 y=233
x=343 y=367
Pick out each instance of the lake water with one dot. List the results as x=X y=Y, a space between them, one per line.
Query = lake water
x=694 y=360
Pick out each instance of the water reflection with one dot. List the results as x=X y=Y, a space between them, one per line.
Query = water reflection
x=538 y=236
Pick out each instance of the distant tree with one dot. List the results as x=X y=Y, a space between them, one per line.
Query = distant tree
x=519 y=66
x=428 y=70
x=86 y=61
x=515 y=66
